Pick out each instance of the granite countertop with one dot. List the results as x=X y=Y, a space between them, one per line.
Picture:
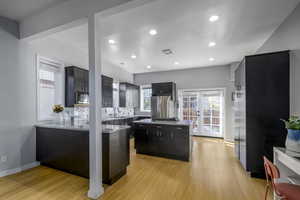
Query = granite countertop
x=127 y=117
x=81 y=127
x=172 y=123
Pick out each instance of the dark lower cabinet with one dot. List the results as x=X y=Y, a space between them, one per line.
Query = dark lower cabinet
x=125 y=121
x=115 y=155
x=65 y=150
x=167 y=141
x=68 y=150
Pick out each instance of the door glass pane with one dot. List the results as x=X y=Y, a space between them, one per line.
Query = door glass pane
x=205 y=110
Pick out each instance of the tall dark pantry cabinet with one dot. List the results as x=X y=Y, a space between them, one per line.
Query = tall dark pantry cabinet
x=261 y=99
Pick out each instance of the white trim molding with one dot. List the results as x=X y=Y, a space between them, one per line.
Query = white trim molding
x=142 y=98
x=60 y=67
x=19 y=169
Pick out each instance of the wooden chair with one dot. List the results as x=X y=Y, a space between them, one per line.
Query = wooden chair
x=282 y=189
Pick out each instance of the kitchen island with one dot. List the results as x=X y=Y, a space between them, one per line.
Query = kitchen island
x=169 y=139
x=66 y=147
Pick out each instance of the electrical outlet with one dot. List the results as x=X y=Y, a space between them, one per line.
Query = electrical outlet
x=3 y=158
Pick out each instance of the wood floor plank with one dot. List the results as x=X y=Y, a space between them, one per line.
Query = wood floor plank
x=213 y=174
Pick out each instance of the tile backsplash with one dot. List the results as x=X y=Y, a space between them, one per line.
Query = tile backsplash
x=117 y=112
x=82 y=113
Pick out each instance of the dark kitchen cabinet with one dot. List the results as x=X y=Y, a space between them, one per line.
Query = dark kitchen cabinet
x=262 y=98
x=115 y=155
x=141 y=133
x=76 y=83
x=68 y=150
x=163 y=140
x=107 y=91
x=128 y=95
x=164 y=89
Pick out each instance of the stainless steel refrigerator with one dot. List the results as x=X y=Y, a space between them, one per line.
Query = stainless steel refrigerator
x=163 y=101
x=163 y=108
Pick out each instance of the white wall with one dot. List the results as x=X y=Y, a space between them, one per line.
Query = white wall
x=116 y=72
x=71 y=11
x=66 y=53
x=72 y=55
x=18 y=90
x=17 y=102
x=286 y=37
x=198 y=78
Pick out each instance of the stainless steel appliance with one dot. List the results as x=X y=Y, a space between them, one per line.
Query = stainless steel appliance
x=163 y=108
x=164 y=101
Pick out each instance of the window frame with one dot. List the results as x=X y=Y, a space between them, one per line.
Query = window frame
x=142 y=87
x=60 y=67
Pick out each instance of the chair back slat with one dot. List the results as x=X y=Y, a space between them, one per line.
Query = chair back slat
x=272 y=172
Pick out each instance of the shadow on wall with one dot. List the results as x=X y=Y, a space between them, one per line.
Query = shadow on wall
x=10 y=26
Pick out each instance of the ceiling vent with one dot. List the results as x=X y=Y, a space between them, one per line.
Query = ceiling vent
x=167 y=51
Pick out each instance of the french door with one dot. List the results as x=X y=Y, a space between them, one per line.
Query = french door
x=204 y=108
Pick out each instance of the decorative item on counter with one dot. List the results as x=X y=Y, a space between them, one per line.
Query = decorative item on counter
x=58 y=109
x=293 y=137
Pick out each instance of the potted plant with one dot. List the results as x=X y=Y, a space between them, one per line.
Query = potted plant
x=57 y=109
x=293 y=137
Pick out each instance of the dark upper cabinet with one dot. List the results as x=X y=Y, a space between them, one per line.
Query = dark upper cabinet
x=76 y=83
x=262 y=99
x=107 y=91
x=164 y=89
x=128 y=95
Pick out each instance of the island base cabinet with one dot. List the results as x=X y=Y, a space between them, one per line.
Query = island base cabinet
x=163 y=140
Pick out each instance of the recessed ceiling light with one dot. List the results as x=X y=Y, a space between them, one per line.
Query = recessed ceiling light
x=176 y=63
x=133 y=56
x=211 y=44
x=214 y=18
x=149 y=67
x=153 y=32
x=111 y=41
x=211 y=59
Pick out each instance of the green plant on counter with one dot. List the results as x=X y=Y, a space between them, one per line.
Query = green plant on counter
x=58 y=108
x=293 y=123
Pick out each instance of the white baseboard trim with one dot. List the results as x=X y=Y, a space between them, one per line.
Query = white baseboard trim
x=229 y=141
x=19 y=169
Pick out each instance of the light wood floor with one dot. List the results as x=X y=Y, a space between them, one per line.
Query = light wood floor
x=213 y=174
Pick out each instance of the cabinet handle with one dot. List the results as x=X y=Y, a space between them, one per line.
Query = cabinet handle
x=158 y=126
x=178 y=128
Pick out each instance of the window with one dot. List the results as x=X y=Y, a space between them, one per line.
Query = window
x=49 y=87
x=146 y=93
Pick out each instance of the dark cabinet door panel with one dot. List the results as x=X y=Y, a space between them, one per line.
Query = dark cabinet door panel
x=68 y=150
x=128 y=95
x=163 y=140
x=263 y=86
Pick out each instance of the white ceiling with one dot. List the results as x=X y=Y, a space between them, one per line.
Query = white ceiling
x=20 y=9
x=183 y=26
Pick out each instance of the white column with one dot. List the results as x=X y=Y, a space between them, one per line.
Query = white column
x=96 y=188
